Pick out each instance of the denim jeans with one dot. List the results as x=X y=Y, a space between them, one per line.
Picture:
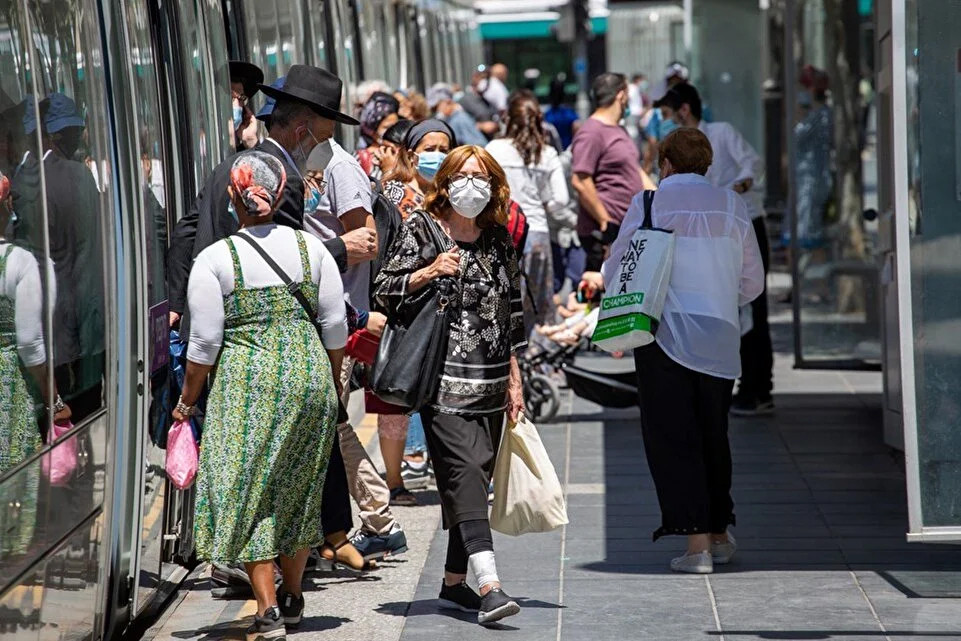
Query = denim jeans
x=416 y=439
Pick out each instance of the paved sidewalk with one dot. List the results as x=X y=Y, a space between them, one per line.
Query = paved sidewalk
x=821 y=520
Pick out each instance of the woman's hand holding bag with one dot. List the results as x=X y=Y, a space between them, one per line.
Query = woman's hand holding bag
x=528 y=497
x=183 y=455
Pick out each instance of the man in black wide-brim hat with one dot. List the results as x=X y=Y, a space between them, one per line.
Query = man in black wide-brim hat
x=245 y=78
x=307 y=107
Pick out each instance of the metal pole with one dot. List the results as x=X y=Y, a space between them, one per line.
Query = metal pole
x=581 y=16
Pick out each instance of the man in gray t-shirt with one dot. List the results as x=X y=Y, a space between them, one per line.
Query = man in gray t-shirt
x=344 y=206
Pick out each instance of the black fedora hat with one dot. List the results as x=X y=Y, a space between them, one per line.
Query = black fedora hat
x=315 y=87
x=250 y=75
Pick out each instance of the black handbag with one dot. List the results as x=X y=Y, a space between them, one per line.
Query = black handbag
x=413 y=348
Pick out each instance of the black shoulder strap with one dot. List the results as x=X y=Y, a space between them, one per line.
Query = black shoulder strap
x=292 y=287
x=648 y=204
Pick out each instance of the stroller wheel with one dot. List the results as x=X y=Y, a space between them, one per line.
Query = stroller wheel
x=541 y=398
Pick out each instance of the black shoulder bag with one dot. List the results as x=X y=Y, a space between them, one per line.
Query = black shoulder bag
x=295 y=291
x=410 y=359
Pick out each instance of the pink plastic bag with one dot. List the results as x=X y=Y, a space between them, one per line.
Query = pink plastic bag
x=182 y=455
x=59 y=463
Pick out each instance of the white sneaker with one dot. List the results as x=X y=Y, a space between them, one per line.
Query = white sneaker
x=722 y=553
x=699 y=563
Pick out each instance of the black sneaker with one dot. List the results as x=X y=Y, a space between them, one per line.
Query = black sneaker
x=379 y=546
x=269 y=627
x=458 y=597
x=291 y=607
x=752 y=407
x=496 y=605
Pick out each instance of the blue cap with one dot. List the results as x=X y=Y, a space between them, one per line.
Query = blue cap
x=268 y=107
x=61 y=113
x=29 y=114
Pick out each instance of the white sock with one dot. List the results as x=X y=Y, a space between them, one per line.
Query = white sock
x=484 y=568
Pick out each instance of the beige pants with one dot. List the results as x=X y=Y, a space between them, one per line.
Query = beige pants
x=367 y=488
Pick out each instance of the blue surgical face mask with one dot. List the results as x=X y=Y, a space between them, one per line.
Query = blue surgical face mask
x=233 y=212
x=312 y=202
x=429 y=162
x=238 y=116
x=667 y=126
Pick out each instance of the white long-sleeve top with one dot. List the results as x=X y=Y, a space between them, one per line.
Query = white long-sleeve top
x=734 y=161
x=20 y=283
x=212 y=279
x=540 y=189
x=717 y=267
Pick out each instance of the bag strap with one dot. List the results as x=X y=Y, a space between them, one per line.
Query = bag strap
x=648 y=205
x=292 y=287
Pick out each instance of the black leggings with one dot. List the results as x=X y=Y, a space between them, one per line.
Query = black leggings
x=464 y=539
x=335 y=515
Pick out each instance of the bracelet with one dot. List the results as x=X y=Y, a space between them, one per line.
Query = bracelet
x=186 y=410
x=58 y=405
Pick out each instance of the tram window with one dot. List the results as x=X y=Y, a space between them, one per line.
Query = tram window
x=206 y=83
x=69 y=80
x=275 y=35
x=318 y=16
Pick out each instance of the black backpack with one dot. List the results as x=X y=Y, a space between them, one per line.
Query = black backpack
x=387 y=219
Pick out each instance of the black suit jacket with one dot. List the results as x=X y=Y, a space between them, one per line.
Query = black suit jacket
x=209 y=221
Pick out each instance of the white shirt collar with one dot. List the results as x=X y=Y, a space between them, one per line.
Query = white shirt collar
x=685 y=179
x=286 y=155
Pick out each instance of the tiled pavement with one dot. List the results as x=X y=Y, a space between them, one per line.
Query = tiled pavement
x=821 y=521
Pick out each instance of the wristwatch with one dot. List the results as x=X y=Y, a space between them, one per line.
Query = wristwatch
x=58 y=405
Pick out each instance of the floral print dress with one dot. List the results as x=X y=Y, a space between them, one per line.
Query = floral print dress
x=269 y=428
x=19 y=437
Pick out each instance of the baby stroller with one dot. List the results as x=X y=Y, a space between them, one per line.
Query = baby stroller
x=589 y=373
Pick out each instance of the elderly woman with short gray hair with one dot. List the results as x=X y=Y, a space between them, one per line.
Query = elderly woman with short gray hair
x=272 y=409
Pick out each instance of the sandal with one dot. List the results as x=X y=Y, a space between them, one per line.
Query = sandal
x=403 y=497
x=337 y=564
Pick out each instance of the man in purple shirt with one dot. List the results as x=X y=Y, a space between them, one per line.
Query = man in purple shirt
x=606 y=170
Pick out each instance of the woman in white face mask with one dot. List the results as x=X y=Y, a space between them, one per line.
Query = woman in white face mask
x=480 y=379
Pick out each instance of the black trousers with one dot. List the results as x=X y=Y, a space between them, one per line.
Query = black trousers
x=335 y=515
x=684 y=423
x=463 y=450
x=757 y=358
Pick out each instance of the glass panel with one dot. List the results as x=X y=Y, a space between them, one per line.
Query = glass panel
x=43 y=501
x=346 y=67
x=24 y=321
x=375 y=66
x=150 y=173
x=206 y=81
x=57 y=599
x=68 y=72
x=836 y=293
x=934 y=162
x=275 y=35
x=318 y=36
x=391 y=45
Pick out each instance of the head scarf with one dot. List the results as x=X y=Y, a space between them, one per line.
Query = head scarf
x=375 y=110
x=258 y=179
x=424 y=127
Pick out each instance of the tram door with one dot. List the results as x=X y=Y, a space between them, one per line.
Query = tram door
x=833 y=177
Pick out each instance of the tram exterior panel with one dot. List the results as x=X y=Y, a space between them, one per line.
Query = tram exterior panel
x=146 y=84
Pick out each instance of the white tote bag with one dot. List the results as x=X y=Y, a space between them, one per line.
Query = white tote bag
x=527 y=495
x=634 y=298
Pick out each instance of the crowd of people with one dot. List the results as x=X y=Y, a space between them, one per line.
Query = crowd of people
x=298 y=252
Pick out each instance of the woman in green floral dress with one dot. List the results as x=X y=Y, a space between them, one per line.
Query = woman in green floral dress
x=273 y=403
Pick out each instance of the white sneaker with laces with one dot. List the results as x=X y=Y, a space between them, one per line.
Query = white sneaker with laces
x=699 y=563
x=722 y=553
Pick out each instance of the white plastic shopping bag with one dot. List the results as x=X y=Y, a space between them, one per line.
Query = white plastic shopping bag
x=527 y=495
x=635 y=292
